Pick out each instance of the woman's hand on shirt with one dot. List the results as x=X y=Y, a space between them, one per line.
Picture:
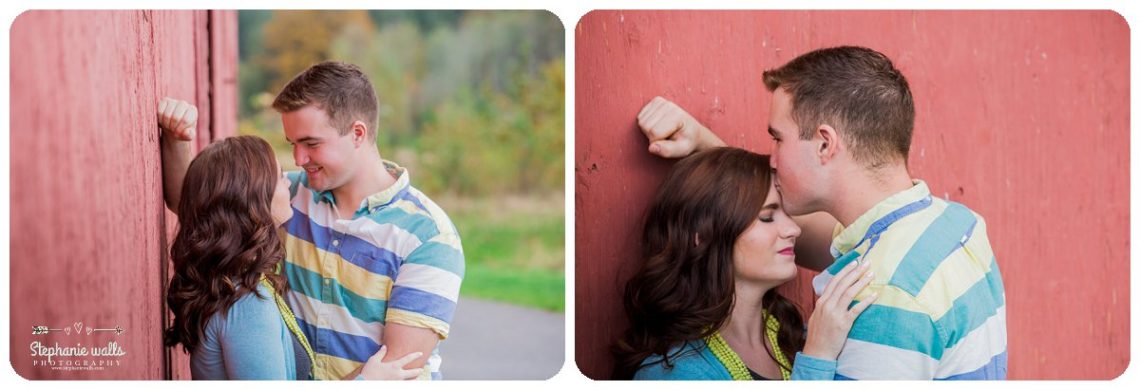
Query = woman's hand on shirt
x=376 y=369
x=833 y=316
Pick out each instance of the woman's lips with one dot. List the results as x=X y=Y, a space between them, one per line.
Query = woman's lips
x=787 y=251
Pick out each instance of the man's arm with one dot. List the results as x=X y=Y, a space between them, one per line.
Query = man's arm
x=672 y=132
x=403 y=339
x=178 y=120
x=423 y=298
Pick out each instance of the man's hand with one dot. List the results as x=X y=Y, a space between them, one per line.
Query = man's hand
x=672 y=132
x=177 y=118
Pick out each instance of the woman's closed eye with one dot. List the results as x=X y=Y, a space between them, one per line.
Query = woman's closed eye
x=768 y=213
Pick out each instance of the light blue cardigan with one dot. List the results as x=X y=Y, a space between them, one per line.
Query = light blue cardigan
x=250 y=342
x=695 y=361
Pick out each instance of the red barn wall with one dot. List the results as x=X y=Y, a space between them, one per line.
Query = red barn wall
x=1023 y=116
x=89 y=230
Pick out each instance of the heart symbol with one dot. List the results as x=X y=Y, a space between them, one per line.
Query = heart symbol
x=88 y=331
x=78 y=327
x=67 y=330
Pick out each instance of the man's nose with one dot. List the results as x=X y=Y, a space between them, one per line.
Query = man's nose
x=300 y=158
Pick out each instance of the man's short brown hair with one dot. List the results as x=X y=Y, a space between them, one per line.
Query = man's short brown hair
x=338 y=88
x=855 y=90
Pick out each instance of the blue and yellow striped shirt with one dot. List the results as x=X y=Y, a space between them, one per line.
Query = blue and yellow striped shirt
x=941 y=307
x=398 y=260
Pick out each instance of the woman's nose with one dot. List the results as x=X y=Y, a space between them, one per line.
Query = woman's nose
x=790 y=229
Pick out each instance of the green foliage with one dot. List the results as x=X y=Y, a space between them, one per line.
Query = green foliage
x=426 y=21
x=295 y=40
x=476 y=98
x=249 y=31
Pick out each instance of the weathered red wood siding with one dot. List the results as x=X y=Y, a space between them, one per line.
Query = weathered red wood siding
x=89 y=231
x=1023 y=116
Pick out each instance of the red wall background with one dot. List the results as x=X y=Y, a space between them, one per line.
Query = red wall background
x=89 y=230
x=1023 y=116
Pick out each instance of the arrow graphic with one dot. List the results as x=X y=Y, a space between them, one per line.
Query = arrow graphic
x=117 y=329
x=40 y=329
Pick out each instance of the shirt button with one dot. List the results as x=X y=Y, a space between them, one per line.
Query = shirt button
x=326 y=282
x=336 y=242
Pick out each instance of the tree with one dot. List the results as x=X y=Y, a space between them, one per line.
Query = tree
x=295 y=40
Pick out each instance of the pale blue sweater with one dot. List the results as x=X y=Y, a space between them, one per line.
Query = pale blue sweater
x=250 y=342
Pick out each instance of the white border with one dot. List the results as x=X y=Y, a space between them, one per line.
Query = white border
x=569 y=12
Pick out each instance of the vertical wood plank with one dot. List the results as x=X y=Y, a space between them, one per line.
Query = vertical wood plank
x=90 y=233
x=86 y=209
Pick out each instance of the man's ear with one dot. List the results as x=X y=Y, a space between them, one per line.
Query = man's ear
x=829 y=143
x=359 y=133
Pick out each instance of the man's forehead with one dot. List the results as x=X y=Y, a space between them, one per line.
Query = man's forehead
x=301 y=130
x=304 y=138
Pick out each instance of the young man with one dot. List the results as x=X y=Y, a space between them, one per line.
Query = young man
x=370 y=260
x=842 y=120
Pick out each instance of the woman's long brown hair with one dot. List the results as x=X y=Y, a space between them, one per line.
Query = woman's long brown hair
x=685 y=289
x=227 y=237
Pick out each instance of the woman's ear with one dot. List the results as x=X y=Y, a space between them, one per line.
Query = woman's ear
x=696 y=239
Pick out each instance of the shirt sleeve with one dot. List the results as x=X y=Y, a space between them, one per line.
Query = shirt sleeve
x=808 y=368
x=427 y=287
x=251 y=341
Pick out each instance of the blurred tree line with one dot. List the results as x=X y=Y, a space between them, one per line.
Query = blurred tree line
x=471 y=101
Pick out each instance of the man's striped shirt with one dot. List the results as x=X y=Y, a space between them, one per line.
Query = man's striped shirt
x=941 y=307
x=398 y=260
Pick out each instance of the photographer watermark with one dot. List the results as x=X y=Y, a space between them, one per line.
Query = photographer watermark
x=78 y=356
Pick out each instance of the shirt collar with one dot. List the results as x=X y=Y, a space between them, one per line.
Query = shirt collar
x=383 y=198
x=847 y=238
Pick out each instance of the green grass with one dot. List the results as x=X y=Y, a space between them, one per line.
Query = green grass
x=514 y=250
x=533 y=288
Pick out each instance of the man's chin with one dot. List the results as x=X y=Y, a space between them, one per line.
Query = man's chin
x=793 y=209
x=318 y=185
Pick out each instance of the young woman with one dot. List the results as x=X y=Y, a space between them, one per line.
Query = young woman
x=226 y=294
x=704 y=306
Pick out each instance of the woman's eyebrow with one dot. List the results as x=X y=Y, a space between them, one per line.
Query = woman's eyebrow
x=772 y=206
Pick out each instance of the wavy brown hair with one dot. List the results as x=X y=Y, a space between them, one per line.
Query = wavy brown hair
x=227 y=237
x=685 y=288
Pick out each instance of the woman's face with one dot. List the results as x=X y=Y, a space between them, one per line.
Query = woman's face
x=763 y=253
x=280 y=207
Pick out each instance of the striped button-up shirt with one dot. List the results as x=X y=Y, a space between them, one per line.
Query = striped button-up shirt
x=941 y=307
x=398 y=260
